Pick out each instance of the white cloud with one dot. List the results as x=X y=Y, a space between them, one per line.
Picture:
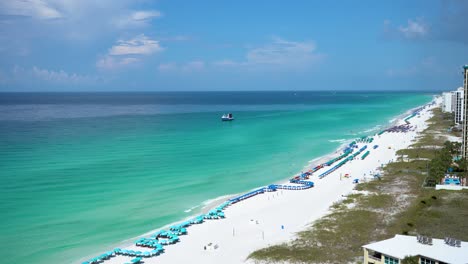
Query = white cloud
x=59 y=76
x=191 y=66
x=31 y=8
x=128 y=52
x=137 y=18
x=111 y=63
x=414 y=29
x=279 y=54
x=283 y=52
x=20 y=75
x=145 y=15
x=140 y=45
x=76 y=20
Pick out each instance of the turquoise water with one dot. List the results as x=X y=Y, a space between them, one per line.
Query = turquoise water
x=83 y=172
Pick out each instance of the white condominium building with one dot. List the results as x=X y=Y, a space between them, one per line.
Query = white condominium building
x=447 y=102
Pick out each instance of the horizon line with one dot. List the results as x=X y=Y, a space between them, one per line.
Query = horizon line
x=225 y=91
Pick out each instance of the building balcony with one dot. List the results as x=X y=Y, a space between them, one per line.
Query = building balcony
x=374 y=259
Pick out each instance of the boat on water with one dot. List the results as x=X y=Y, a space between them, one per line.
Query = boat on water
x=227 y=117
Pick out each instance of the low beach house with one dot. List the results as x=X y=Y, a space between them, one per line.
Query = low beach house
x=427 y=250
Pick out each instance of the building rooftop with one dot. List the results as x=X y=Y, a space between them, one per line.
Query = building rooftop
x=465 y=67
x=401 y=246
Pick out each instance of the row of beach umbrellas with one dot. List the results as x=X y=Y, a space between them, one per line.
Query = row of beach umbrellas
x=342 y=163
x=365 y=139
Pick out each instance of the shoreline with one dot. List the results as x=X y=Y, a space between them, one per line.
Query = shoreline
x=210 y=204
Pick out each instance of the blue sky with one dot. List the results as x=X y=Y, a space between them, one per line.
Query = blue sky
x=142 y=45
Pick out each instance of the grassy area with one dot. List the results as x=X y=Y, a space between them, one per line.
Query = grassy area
x=437 y=214
x=395 y=204
x=438 y=125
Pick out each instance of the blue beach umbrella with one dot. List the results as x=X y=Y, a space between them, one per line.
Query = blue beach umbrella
x=135 y=260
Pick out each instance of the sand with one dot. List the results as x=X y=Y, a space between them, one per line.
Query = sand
x=276 y=217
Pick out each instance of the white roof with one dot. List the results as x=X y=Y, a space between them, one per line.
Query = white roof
x=401 y=246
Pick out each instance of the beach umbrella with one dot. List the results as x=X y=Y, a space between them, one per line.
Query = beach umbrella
x=135 y=260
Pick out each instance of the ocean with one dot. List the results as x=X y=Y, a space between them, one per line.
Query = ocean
x=84 y=172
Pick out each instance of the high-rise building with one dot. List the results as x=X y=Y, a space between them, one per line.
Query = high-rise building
x=465 y=111
x=454 y=100
x=447 y=102
x=459 y=105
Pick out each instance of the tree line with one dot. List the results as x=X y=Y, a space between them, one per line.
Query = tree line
x=446 y=160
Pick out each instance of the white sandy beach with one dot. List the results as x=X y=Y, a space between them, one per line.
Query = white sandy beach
x=257 y=222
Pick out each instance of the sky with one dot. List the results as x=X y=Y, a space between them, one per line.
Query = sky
x=172 y=45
